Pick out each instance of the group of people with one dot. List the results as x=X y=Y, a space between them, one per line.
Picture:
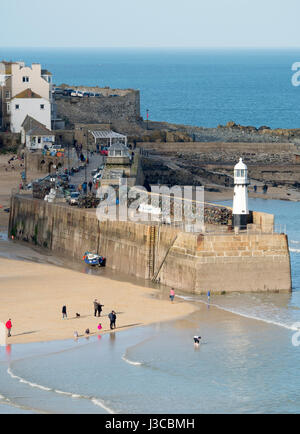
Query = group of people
x=84 y=186
x=264 y=188
x=97 y=312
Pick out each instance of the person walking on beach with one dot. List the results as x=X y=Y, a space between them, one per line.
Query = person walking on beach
x=112 y=317
x=172 y=295
x=208 y=296
x=9 y=327
x=95 y=307
x=99 y=308
x=64 y=312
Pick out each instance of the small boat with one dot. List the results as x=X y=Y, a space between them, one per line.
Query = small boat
x=94 y=260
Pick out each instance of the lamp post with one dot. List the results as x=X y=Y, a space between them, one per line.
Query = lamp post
x=147 y=119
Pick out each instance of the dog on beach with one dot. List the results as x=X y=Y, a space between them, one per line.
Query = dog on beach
x=77 y=315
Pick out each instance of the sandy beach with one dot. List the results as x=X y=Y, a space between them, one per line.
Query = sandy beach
x=32 y=295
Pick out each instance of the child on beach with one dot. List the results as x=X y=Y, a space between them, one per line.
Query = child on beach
x=64 y=312
x=172 y=295
x=99 y=327
x=197 y=340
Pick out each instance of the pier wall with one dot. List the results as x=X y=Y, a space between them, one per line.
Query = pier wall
x=186 y=261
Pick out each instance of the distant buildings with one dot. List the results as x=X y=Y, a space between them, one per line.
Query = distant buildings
x=35 y=135
x=24 y=91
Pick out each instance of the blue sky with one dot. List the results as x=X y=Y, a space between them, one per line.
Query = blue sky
x=152 y=23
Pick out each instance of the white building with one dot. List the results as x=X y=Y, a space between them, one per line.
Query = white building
x=28 y=103
x=240 y=197
x=35 y=135
x=34 y=78
x=24 y=90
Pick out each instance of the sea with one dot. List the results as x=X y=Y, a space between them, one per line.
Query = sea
x=249 y=357
x=201 y=87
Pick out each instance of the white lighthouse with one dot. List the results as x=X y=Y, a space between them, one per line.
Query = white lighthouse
x=240 y=197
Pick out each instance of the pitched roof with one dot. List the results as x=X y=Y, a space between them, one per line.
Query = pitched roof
x=32 y=126
x=46 y=72
x=107 y=134
x=28 y=93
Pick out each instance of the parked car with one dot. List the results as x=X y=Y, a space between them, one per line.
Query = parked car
x=58 y=91
x=67 y=92
x=86 y=94
x=97 y=177
x=77 y=93
x=73 y=198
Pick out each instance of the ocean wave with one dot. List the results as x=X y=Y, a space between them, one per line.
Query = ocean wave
x=131 y=362
x=294 y=242
x=243 y=314
x=96 y=401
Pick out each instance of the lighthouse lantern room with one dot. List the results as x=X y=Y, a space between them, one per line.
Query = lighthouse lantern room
x=240 y=197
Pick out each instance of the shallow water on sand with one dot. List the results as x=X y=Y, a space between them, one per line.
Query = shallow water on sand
x=242 y=365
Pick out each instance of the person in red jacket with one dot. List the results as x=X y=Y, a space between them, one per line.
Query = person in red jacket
x=9 y=327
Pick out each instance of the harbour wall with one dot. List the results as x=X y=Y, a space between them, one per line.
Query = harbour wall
x=221 y=262
x=227 y=152
x=125 y=106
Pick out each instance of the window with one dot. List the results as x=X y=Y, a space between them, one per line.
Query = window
x=17 y=106
x=42 y=106
x=39 y=140
x=25 y=79
x=8 y=107
x=7 y=94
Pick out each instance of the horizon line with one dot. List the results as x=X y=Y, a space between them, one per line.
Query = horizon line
x=154 y=47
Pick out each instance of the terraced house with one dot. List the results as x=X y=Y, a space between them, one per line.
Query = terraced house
x=24 y=90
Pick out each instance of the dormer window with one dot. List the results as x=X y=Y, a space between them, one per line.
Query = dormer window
x=42 y=106
x=25 y=79
x=17 y=106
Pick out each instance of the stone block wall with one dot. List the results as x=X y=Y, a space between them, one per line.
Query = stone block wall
x=228 y=263
x=190 y=262
x=99 y=110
